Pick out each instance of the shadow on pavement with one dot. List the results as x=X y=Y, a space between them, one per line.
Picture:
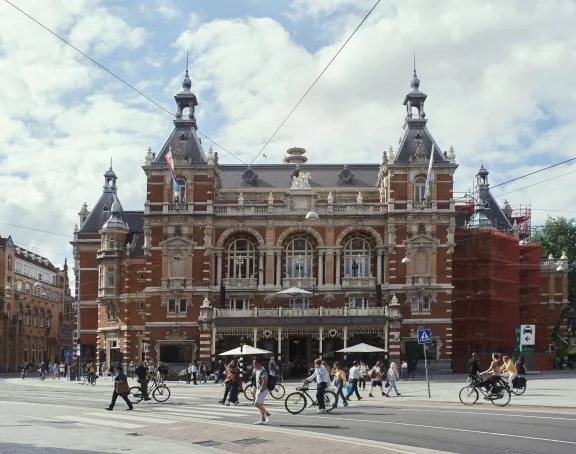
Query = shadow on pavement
x=310 y=426
x=22 y=448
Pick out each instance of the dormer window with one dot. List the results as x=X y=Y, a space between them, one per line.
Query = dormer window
x=111 y=243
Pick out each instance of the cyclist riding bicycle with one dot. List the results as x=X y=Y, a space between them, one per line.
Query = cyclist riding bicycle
x=495 y=377
x=144 y=376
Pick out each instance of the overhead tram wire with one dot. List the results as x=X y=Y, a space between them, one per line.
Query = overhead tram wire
x=317 y=79
x=532 y=173
x=115 y=76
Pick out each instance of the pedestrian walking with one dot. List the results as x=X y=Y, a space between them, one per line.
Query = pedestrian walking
x=131 y=369
x=392 y=376
x=260 y=391
x=376 y=375
x=232 y=365
x=340 y=380
x=203 y=373
x=105 y=371
x=521 y=368
x=322 y=377
x=121 y=388
x=220 y=372
x=62 y=368
x=403 y=370
x=354 y=377
x=194 y=372
x=473 y=367
x=363 y=375
x=234 y=383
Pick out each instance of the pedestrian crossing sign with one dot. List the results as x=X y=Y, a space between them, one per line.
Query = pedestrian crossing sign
x=424 y=336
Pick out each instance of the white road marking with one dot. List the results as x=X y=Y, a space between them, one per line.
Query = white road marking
x=97 y=422
x=510 y=415
x=126 y=417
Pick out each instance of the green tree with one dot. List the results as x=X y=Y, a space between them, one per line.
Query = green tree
x=558 y=235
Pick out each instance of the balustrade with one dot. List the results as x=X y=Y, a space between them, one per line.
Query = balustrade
x=359 y=282
x=302 y=312
x=240 y=282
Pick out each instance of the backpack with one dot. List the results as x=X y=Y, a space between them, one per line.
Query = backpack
x=140 y=371
x=271 y=383
x=373 y=374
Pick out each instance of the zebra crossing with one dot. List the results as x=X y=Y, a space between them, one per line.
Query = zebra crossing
x=150 y=415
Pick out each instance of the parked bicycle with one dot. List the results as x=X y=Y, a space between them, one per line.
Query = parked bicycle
x=278 y=392
x=89 y=379
x=159 y=391
x=297 y=401
x=498 y=394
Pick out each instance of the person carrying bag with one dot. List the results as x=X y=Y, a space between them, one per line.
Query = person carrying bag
x=121 y=388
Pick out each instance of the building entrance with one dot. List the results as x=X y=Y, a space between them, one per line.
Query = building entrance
x=176 y=353
x=298 y=355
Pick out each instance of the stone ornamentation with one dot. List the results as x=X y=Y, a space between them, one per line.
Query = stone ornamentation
x=300 y=181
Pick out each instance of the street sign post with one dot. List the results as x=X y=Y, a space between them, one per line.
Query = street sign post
x=67 y=353
x=425 y=337
x=527 y=336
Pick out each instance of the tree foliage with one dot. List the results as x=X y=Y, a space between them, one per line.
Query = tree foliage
x=558 y=236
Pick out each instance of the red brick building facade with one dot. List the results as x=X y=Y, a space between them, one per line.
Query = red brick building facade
x=196 y=269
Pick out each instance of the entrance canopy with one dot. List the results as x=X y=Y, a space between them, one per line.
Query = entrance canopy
x=361 y=348
x=246 y=350
x=292 y=292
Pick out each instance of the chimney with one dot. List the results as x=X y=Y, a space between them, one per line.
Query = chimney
x=295 y=155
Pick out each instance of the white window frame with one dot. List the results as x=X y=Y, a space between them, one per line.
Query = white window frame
x=110 y=277
x=357 y=255
x=353 y=302
x=241 y=262
x=299 y=261
x=178 y=304
x=235 y=306
x=419 y=189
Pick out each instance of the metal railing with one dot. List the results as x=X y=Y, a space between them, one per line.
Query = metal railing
x=302 y=312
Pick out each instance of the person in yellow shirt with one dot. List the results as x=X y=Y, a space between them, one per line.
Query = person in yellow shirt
x=510 y=368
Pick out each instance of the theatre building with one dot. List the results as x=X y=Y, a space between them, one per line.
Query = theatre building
x=188 y=276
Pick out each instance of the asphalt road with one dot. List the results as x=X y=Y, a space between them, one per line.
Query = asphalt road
x=445 y=427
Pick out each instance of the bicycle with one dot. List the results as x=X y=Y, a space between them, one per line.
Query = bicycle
x=499 y=393
x=89 y=379
x=277 y=393
x=297 y=401
x=518 y=386
x=160 y=392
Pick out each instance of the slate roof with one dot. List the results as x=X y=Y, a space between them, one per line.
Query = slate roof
x=34 y=259
x=99 y=214
x=193 y=148
x=280 y=176
x=408 y=144
x=492 y=209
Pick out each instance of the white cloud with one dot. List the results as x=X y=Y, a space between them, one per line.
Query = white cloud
x=165 y=8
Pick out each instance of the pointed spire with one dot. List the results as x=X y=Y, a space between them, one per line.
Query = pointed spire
x=391 y=154
x=415 y=82
x=186 y=83
x=451 y=155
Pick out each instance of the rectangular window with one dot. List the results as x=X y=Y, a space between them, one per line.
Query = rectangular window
x=110 y=277
x=39 y=276
x=415 y=304
x=26 y=270
x=171 y=306
x=101 y=271
x=140 y=306
x=182 y=308
x=358 y=303
x=238 y=304
x=426 y=303
x=18 y=267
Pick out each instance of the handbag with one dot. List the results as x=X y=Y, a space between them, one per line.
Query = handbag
x=122 y=387
x=387 y=384
x=348 y=388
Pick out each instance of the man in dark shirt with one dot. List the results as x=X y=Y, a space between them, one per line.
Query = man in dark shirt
x=473 y=366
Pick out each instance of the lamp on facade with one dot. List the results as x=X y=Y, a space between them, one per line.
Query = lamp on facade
x=38 y=285
x=405 y=260
x=560 y=268
x=312 y=216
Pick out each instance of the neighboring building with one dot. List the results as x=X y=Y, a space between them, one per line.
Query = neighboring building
x=35 y=307
x=194 y=272
x=501 y=282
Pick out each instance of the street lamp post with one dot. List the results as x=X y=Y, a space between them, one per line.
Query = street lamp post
x=241 y=365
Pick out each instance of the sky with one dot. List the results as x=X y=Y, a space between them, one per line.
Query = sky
x=498 y=75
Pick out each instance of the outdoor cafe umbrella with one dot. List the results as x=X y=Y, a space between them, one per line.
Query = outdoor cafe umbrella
x=361 y=348
x=292 y=292
x=246 y=350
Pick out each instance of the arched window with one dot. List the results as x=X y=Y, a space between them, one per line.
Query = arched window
x=419 y=189
x=20 y=286
x=34 y=317
x=8 y=309
x=111 y=243
x=26 y=348
x=27 y=317
x=27 y=287
x=48 y=318
x=41 y=325
x=299 y=255
x=241 y=258
x=9 y=263
x=33 y=355
x=179 y=196
x=20 y=311
x=40 y=348
x=420 y=263
x=357 y=257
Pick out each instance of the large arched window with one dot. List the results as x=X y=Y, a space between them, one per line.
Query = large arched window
x=420 y=264
x=48 y=317
x=42 y=316
x=20 y=286
x=33 y=355
x=299 y=254
x=27 y=287
x=241 y=258
x=419 y=189
x=357 y=257
x=179 y=196
x=9 y=262
x=8 y=309
x=34 y=317
x=27 y=317
x=26 y=348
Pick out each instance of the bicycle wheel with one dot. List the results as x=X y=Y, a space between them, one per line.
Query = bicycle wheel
x=135 y=395
x=329 y=399
x=161 y=393
x=502 y=398
x=93 y=382
x=248 y=393
x=468 y=395
x=295 y=403
x=519 y=390
x=278 y=392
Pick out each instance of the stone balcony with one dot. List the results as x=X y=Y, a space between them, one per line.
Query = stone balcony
x=306 y=312
x=364 y=283
x=245 y=283
x=174 y=283
x=420 y=281
x=107 y=292
x=302 y=282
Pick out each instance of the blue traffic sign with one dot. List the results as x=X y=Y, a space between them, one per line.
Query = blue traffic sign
x=67 y=353
x=424 y=336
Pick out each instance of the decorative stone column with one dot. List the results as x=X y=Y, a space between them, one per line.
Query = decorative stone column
x=261 y=269
x=320 y=268
x=345 y=331
x=279 y=344
x=379 y=267
x=320 y=340
x=338 y=280
x=207 y=338
x=219 y=268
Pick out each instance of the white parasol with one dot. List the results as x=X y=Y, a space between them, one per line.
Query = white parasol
x=361 y=348
x=246 y=350
x=292 y=292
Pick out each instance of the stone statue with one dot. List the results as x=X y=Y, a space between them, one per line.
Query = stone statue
x=330 y=198
x=301 y=181
x=240 y=199
x=271 y=198
x=359 y=198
